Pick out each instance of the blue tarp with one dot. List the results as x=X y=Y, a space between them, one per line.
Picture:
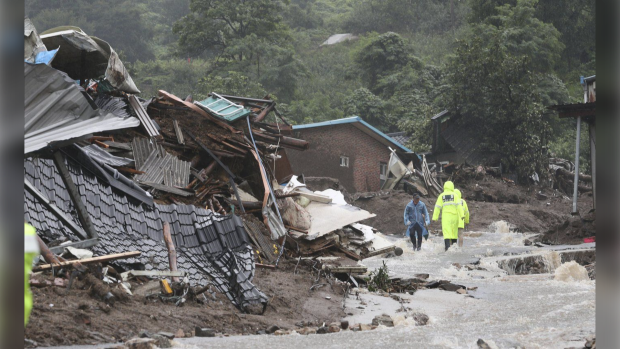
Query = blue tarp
x=45 y=57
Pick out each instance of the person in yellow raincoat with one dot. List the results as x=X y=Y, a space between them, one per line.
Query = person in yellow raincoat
x=465 y=219
x=451 y=212
x=31 y=250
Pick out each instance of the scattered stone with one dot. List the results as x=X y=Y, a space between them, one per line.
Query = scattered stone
x=141 y=343
x=162 y=342
x=300 y=324
x=145 y=334
x=484 y=345
x=590 y=342
x=461 y=291
x=541 y=196
x=364 y=327
x=422 y=276
x=281 y=332
x=30 y=343
x=333 y=328
x=457 y=265
x=272 y=329
x=432 y=284
x=168 y=335
x=204 y=332
x=344 y=324
x=472 y=288
x=261 y=332
x=322 y=330
x=527 y=242
x=179 y=333
x=420 y=319
x=448 y=286
x=384 y=320
x=307 y=330
x=398 y=251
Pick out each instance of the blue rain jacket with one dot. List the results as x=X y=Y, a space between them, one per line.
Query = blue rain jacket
x=416 y=213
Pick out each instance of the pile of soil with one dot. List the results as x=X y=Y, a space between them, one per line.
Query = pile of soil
x=572 y=230
x=82 y=316
x=530 y=209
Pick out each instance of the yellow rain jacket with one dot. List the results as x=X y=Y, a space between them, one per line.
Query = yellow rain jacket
x=452 y=211
x=465 y=218
x=31 y=250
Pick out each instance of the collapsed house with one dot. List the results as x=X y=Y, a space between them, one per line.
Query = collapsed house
x=108 y=171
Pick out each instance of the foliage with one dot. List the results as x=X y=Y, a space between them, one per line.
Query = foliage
x=494 y=92
x=119 y=22
x=237 y=29
x=232 y=83
x=179 y=77
x=379 y=279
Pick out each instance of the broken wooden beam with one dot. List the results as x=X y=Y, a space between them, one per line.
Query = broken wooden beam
x=99 y=259
x=172 y=253
x=129 y=170
x=48 y=256
x=178 y=132
x=266 y=266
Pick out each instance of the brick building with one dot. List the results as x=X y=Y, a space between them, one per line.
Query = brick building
x=349 y=149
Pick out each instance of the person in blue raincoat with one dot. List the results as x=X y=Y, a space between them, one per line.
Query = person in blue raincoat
x=416 y=219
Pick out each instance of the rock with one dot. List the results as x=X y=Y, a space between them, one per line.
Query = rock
x=527 y=242
x=30 y=343
x=168 y=335
x=307 y=330
x=384 y=320
x=333 y=328
x=204 y=332
x=145 y=334
x=281 y=332
x=420 y=319
x=450 y=287
x=432 y=284
x=162 y=342
x=457 y=265
x=461 y=291
x=541 y=196
x=344 y=324
x=484 y=345
x=261 y=332
x=590 y=342
x=272 y=329
x=364 y=327
x=179 y=333
x=473 y=288
x=398 y=251
x=322 y=330
x=300 y=324
x=141 y=343
x=422 y=276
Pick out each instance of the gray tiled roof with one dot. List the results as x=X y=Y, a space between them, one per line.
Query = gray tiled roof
x=211 y=248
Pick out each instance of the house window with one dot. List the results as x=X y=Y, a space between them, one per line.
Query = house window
x=344 y=161
x=383 y=173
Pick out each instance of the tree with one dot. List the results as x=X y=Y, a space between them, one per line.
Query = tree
x=523 y=34
x=493 y=91
x=233 y=28
x=369 y=107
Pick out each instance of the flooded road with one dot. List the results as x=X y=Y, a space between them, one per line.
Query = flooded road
x=512 y=311
x=507 y=310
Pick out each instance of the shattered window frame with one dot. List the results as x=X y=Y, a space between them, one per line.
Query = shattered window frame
x=344 y=161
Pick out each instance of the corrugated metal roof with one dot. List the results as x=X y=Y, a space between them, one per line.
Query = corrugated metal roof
x=142 y=148
x=177 y=173
x=211 y=248
x=223 y=108
x=145 y=119
x=56 y=109
x=357 y=121
x=102 y=156
x=154 y=168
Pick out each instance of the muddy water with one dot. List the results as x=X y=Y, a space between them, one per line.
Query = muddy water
x=532 y=311
x=553 y=309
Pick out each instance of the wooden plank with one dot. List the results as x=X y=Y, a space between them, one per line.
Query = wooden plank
x=316 y=197
x=178 y=132
x=89 y=260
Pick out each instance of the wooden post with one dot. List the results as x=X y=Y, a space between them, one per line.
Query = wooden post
x=593 y=160
x=576 y=182
x=49 y=257
x=172 y=253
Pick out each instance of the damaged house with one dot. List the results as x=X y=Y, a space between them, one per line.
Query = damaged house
x=200 y=191
x=349 y=149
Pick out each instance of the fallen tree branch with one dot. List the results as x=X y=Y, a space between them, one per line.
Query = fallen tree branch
x=88 y=260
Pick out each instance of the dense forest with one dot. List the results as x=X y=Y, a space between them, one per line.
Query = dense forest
x=498 y=63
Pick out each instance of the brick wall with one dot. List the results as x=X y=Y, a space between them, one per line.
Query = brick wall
x=328 y=143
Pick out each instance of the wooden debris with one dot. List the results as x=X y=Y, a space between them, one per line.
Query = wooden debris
x=99 y=259
x=172 y=253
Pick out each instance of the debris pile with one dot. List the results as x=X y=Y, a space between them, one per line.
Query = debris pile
x=183 y=196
